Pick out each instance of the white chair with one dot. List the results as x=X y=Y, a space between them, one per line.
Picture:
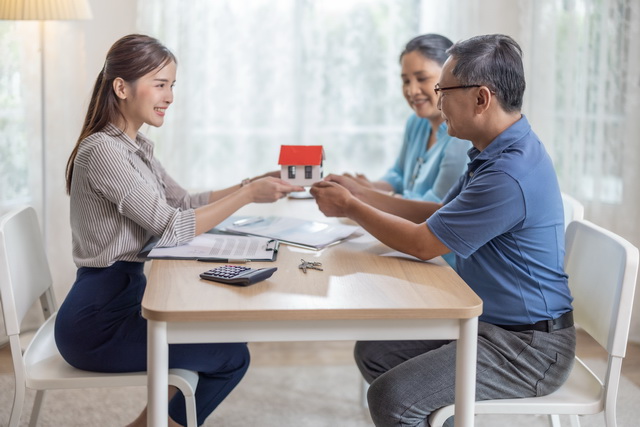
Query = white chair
x=602 y=269
x=573 y=209
x=24 y=278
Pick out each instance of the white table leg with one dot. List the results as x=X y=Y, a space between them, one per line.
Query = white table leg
x=157 y=374
x=466 y=372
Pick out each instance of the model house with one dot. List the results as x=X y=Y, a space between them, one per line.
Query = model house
x=301 y=164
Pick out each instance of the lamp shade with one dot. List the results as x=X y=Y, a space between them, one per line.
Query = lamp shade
x=44 y=10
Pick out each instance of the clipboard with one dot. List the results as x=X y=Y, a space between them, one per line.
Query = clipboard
x=215 y=247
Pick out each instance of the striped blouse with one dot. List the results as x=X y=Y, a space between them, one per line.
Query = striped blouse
x=121 y=196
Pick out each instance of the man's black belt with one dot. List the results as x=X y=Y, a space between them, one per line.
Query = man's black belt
x=564 y=321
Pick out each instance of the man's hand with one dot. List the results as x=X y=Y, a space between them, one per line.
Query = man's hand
x=394 y=231
x=332 y=198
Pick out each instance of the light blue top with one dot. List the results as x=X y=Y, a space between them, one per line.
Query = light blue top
x=505 y=222
x=422 y=174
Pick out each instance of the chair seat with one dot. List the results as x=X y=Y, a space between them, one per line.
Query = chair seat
x=582 y=393
x=46 y=369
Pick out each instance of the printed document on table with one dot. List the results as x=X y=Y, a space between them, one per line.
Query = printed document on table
x=221 y=246
x=398 y=254
x=294 y=231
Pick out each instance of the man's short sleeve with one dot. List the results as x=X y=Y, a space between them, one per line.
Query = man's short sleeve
x=489 y=206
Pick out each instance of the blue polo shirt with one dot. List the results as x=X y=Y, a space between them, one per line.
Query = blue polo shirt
x=504 y=221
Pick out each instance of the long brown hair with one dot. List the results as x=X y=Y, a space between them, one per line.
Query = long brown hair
x=129 y=58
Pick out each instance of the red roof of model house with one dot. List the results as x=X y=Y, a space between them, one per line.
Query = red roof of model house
x=301 y=155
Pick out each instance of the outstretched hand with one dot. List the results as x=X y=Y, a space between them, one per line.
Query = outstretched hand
x=361 y=179
x=348 y=182
x=332 y=198
x=274 y=173
x=270 y=189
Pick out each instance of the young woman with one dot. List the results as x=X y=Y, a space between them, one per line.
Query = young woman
x=430 y=161
x=120 y=197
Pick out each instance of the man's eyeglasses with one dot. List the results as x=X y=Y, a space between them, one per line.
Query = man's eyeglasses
x=439 y=89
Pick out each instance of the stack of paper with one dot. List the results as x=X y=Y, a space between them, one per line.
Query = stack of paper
x=221 y=247
x=293 y=231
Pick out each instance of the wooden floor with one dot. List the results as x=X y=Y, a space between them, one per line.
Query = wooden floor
x=340 y=353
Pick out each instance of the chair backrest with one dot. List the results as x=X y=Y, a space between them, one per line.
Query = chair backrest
x=602 y=269
x=24 y=270
x=573 y=209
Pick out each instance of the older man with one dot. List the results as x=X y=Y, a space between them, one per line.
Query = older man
x=504 y=223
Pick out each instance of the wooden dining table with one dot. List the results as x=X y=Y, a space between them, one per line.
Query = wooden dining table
x=365 y=291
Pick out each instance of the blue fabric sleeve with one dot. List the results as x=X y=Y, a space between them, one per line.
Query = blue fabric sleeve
x=395 y=175
x=490 y=206
x=452 y=165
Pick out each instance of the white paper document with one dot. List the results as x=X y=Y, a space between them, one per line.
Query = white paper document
x=293 y=231
x=224 y=247
x=397 y=254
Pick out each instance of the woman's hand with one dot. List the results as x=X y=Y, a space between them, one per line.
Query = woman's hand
x=270 y=189
x=274 y=174
x=347 y=181
x=360 y=179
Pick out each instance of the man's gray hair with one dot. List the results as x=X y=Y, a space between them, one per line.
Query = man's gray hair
x=495 y=61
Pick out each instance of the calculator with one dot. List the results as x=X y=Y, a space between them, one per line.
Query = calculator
x=237 y=275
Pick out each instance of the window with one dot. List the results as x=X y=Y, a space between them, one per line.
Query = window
x=20 y=150
x=257 y=74
x=590 y=92
x=581 y=63
x=292 y=172
x=308 y=172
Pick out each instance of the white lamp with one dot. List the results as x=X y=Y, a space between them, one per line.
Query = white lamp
x=44 y=10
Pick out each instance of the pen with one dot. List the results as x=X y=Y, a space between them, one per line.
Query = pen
x=230 y=261
x=247 y=221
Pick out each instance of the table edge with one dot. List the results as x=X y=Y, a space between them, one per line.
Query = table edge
x=467 y=312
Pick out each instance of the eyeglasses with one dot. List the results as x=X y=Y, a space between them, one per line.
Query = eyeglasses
x=439 y=89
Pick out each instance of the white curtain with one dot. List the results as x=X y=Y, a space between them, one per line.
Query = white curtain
x=33 y=159
x=583 y=93
x=581 y=59
x=257 y=74
x=20 y=110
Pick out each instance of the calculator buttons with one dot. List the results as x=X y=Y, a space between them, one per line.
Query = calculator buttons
x=237 y=275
